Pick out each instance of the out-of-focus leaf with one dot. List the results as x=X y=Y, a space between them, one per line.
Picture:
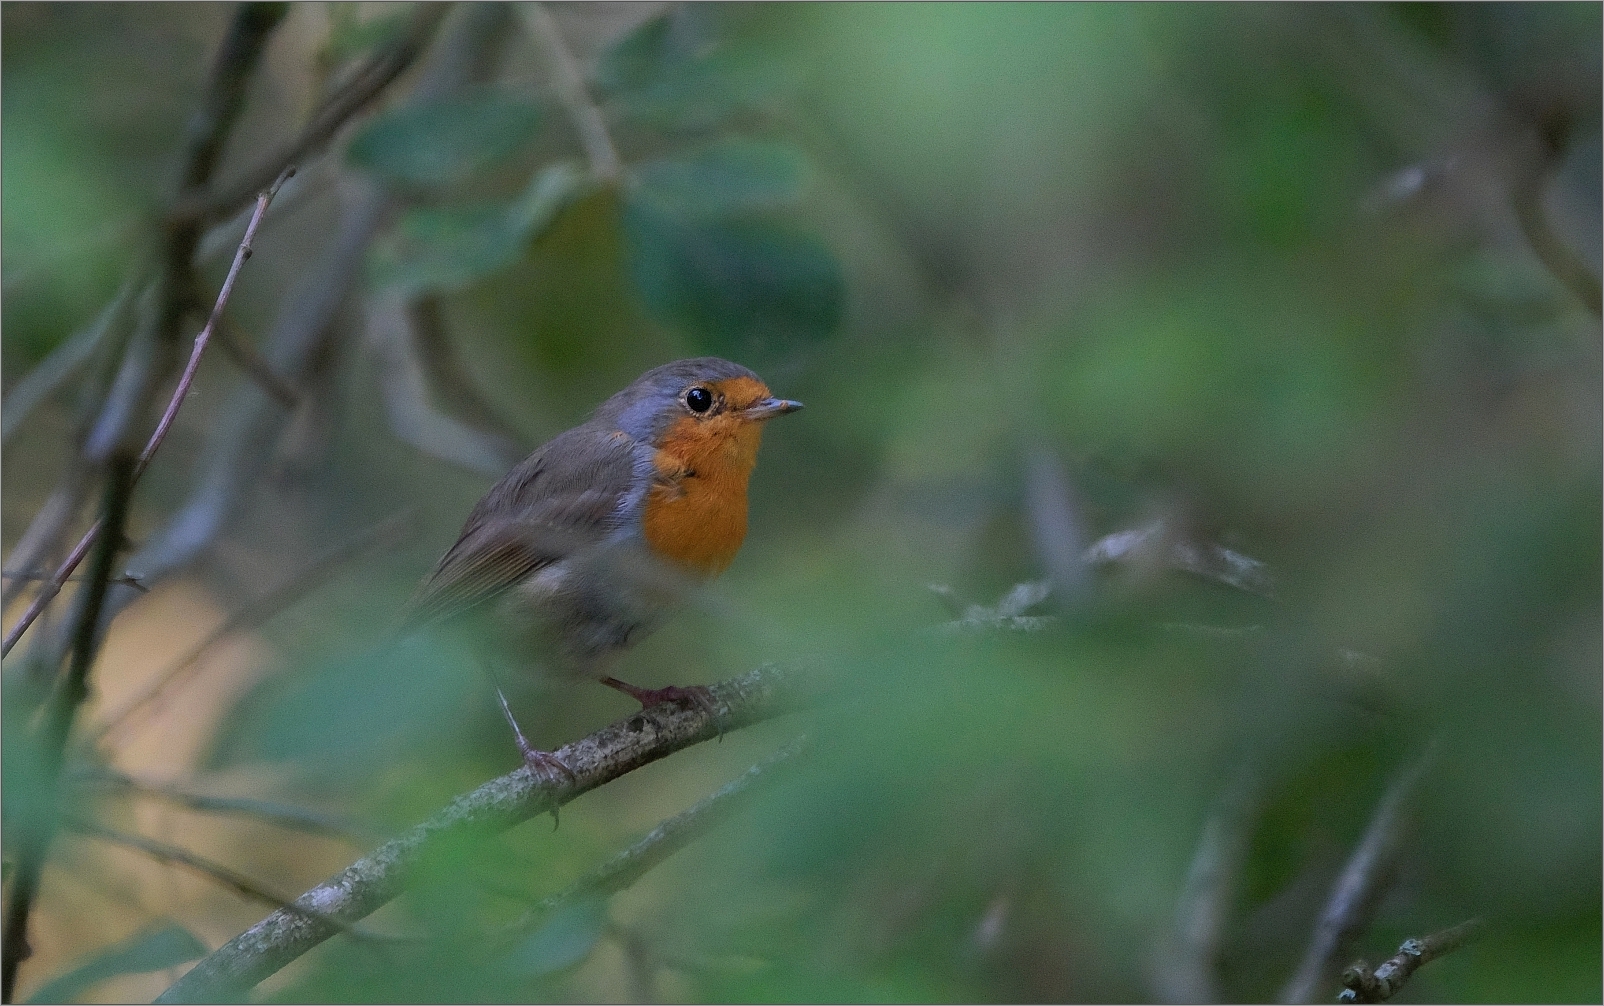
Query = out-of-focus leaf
x=728 y=177
x=671 y=71
x=446 y=248
x=563 y=940
x=732 y=281
x=150 y=950
x=444 y=141
x=349 y=36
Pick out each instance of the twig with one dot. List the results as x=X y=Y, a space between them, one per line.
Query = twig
x=413 y=419
x=571 y=91
x=65 y=360
x=239 y=349
x=1364 y=986
x=1526 y=198
x=1185 y=972
x=375 y=879
x=1358 y=888
x=53 y=587
x=365 y=85
x=40 y=541
x=258 y=612
x=670 y=836
x=230 y=878
x=283 y=815
x=60 y=711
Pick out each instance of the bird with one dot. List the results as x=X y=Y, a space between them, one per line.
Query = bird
x=585 y=546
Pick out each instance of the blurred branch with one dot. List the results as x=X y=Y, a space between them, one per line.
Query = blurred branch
x=1153 y=544
x=1526 y=197
x=447 y=376
x=1364 y=986
x=1185 y=970
x=413 y=419
x=670 y=836
x=1056 y=529
x=65 y=360
x=366 y=84
x=569 y=81
x=1359 y=888
x=377 y=878
x=283 y=815
x=38 y=827
x=185 y=381
x=229 y=878
x=40 y=542
x=299 y=584
x=239 y=349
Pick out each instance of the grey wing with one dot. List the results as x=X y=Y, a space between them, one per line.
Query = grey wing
x=564 y=498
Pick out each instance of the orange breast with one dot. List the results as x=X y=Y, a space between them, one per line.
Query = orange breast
x=695 y=512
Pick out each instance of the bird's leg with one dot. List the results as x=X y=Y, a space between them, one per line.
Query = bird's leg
x=544 y=764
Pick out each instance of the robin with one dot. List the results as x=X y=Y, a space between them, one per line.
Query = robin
x=581 y=549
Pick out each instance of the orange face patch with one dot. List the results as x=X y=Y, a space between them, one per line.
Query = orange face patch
x=695 y=513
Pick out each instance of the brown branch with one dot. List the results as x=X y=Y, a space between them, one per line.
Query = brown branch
x=1359 y=888
x=374 y=880
x=571 y=91
x=237 y=348
x=185 y=381
x=366 y=84
x=60 y=711
x=1361 y=985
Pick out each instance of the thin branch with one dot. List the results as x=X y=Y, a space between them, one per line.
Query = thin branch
x=571 y=91
x=65 y=360
x=1359 y=888
x=1364 y=986
x=412 y=417
x=239 y=349
x=53 y=587
x=1526 y=197
x=283 y=815
x=60 y=711
x=310 y=577
x=374 y=880
x=226 y=876
x=1185 y=972
x=670 y=836
x=366 y=84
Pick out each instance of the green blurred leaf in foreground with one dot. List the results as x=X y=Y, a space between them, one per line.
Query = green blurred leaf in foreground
x=445 y=141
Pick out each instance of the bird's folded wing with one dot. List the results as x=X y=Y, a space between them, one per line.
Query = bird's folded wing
x=561 y=500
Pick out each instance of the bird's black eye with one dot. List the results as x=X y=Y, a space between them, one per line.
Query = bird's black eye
x=698 y=399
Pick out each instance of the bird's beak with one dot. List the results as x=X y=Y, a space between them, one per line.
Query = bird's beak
x=768 y=408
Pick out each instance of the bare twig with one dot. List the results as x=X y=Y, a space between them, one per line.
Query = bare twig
x=229 y=878
x=413 y=419
x=1185 y=971
x=670 y=836
x=365 y=85
x=570 y=84
x=283 y=815
x=1364 y=986
x=315 y=573
x=60 y=711
x=237 y=348
x=65 y=360
x=499 y=804
x=53 y=587
x=1358 y=888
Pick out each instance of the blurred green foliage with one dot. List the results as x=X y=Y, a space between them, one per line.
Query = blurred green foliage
x=1169 y=244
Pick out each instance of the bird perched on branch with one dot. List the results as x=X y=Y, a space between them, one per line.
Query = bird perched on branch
x=581 y=548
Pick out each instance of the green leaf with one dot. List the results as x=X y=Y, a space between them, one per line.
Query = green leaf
x=349 y=37
x=164 y=946
x=673 y=72
x=728 y=177
x=447 y=248
x=564 y=940
x=444 y=141
x=733 y=280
